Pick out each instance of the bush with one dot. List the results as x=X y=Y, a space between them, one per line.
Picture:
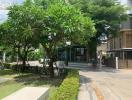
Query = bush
x=68 y=90
x=7 y=65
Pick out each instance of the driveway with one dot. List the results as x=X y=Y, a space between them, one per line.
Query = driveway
x=105 y=84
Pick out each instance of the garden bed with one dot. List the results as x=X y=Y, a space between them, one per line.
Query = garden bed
x=68 y=90
x=20 y=80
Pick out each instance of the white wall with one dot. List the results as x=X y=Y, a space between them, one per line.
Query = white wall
x=127 y=3
x=123 y=2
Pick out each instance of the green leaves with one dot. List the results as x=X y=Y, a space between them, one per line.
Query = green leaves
x=68 y=90
x=67 y=22
x=50 y=24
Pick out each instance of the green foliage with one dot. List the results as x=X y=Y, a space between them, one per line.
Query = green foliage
x=33 y=23
x=68 y=90
x=107 y=16
x=35 y=55
x=63 y=23
x=7 y=65
x=19 y=29
x=103 y=12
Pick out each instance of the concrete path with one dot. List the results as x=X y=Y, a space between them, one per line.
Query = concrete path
x=105 y=84
x=3 y=79
x=29 y=93
x=86 y=90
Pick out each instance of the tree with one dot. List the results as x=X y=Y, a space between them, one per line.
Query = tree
x=107 y=15
x=62 y=23
x=31 y=24
x=18 y=31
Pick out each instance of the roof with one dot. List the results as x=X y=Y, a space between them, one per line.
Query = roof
x=121 y=49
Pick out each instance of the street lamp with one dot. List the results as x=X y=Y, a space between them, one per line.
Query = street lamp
x=68 y=43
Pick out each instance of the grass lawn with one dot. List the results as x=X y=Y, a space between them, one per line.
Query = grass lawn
x=9 y=87
x=27 y=79
x=7 y=73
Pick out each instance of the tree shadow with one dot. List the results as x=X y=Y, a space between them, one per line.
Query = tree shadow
x=31 y=79
x=103 y=69
x=84 y=80
x=7 y=72
x=36 y=80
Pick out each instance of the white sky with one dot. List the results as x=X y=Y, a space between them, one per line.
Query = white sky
x=3 y=5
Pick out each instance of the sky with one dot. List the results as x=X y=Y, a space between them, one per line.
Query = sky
x=3 y=5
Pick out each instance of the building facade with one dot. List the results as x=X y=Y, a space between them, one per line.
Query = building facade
x=121 y=45
x=73 y=53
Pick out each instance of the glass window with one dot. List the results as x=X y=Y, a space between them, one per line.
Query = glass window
x=79 y=51
x=129 y=55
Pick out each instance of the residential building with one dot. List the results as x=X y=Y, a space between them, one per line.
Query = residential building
x=121 y=45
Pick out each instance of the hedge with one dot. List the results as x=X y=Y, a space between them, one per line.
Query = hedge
x=68 y=90
x=7 y=65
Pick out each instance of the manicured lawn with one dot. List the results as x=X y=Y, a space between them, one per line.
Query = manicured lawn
x=27 y=79
x=7 y=73
x=9 y=87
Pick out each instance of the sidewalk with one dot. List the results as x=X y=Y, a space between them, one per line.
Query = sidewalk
x=86 y=91
x=2 y=80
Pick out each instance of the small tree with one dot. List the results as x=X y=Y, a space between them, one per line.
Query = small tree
x=18 y=31
x=63 y=23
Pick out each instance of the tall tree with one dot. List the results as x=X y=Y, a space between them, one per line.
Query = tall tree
x=107 y=15
x=62 y=23
x=31 y=24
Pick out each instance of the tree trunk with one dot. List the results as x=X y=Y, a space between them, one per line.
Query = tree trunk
x=23 y=65
x=87 y=53
x=93 y=49
x=51 y=69
x=50 y=55
x=23 y=57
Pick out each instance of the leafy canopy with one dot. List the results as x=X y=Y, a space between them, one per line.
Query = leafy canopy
x=104 y=13
x=18 y=32
x=63 y=23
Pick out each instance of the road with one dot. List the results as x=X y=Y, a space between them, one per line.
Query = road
x=105 y=84
x=102 y=84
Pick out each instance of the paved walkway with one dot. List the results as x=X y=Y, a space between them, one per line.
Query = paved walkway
x=105 y=84
x=29 y=93
x=3 y=79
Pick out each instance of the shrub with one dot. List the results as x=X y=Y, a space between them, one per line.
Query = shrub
x=15 y=67
x=68 y=90
x=7 y=65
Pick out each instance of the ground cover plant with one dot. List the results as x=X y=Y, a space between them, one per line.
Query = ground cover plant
x=68 y=90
